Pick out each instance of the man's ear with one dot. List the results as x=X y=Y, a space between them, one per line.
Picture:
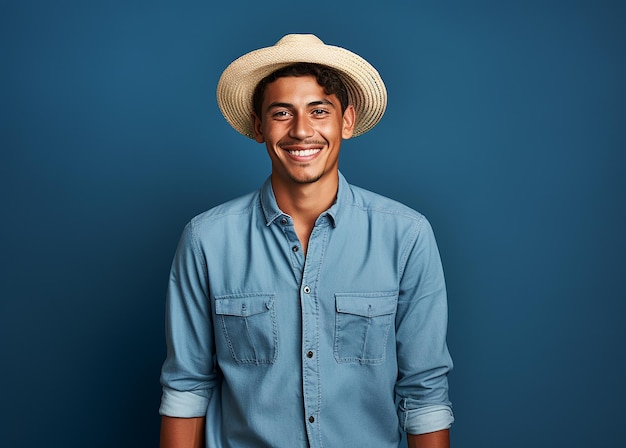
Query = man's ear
x=258 y=129
x=349 y=118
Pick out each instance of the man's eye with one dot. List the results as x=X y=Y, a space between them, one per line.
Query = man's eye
x=280 y=114
x=319 y=111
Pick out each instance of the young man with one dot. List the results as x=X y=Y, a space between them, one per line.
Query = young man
x=310 y=313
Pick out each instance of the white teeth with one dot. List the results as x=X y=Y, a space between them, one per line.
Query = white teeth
x=305 y=152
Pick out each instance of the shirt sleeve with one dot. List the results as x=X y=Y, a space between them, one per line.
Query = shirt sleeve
x=188 y=375
x=421 y=325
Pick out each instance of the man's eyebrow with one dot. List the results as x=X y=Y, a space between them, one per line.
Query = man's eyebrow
x=311 y=104
x=276 y=104
x=320 y=103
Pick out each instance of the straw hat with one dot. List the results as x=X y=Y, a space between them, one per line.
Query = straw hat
x=366 y=91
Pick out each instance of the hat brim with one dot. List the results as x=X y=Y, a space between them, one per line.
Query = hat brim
x=366 y=90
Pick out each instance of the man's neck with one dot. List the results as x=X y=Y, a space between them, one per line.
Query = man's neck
x=305 y=202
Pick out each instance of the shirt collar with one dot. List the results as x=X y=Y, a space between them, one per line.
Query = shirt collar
x=268 y=202
x=271 y=210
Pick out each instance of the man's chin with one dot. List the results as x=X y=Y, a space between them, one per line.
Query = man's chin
x=306 y=179
x=304 y=176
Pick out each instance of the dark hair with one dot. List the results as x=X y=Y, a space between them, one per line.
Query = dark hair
x=325 y=76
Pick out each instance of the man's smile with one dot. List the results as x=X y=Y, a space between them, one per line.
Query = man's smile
x=302 y=152
x=303 y=155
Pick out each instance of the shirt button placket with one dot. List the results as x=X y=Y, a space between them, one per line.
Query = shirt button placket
x=310 y=376
x=311 y=354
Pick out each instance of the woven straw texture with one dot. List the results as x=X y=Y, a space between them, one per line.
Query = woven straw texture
x=366 y=90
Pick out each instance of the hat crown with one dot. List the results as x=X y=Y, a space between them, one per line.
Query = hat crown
x=300 y=39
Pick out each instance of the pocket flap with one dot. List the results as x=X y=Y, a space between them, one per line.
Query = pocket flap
x=244 y=305
x=366 y=304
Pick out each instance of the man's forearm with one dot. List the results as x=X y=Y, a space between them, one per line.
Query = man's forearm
x=182 y=432
x=437 y=439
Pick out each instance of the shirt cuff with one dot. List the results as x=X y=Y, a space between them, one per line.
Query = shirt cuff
x=426 y=419
x=175 y=403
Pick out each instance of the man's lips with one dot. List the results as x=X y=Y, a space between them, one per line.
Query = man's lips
x=302 y=152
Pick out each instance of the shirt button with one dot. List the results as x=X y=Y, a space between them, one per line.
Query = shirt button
x=283 y=221
x=295 y=248
x=309 y=354
x=307 y=290
x=311 y=419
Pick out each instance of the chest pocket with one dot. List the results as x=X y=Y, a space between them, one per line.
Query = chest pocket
x=362 y=322
x=249 y=325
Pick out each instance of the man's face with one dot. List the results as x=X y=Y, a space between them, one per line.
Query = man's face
x=302 y=128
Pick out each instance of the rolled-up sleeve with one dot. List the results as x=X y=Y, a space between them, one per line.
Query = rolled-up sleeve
x=421 y=326
x=188 y=375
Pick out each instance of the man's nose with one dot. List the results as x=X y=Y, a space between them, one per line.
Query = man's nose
x=301 y=127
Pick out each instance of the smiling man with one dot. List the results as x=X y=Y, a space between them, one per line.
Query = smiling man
x=310 y=313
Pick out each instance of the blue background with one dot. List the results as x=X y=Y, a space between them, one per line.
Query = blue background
x=505 y=126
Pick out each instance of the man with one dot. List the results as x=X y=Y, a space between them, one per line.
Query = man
x=311 y=312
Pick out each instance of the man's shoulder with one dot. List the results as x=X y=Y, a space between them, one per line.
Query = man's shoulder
x=377 y=203
x=237 y=207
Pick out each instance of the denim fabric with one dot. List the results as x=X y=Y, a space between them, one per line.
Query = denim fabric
x=344 y=348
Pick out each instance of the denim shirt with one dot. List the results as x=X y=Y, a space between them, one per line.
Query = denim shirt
x=343 y=347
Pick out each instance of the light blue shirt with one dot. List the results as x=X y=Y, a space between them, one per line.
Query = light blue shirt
x=344 y=347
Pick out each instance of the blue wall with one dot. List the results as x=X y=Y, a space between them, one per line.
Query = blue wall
x=506 y=127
